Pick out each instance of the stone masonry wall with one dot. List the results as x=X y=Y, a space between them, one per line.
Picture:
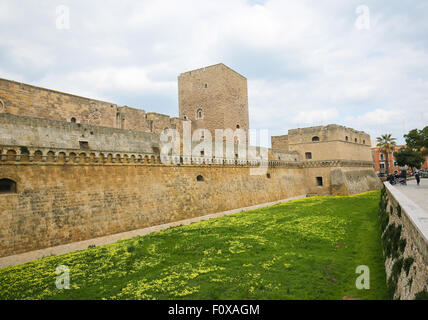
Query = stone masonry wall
x=26 y=100
x=220 y=92
x=58 y=203
x=405 y=250
x=38 y=134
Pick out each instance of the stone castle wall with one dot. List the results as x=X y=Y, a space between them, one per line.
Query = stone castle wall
x=42 y=134
x=58 y=203
x=26 y=100
x=405 y=246
x=326 y=143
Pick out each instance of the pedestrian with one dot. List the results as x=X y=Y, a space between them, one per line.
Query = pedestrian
x=418 y=177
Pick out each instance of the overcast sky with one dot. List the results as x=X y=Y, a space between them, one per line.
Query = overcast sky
x=359 y=64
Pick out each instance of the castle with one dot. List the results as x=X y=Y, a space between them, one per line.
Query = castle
x=73 y=168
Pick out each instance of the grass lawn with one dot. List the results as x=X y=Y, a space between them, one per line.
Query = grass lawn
x=303 y=249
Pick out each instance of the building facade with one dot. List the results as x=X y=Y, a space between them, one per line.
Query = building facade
x=380 y=162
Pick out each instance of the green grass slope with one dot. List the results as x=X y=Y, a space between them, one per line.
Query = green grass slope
x=304 y=249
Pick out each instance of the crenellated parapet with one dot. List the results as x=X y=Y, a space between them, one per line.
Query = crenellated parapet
x=40 y=155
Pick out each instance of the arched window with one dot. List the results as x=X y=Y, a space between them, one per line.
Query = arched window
x=315 y=139
x=346 y=138
x=73 y=120
x=199 y=178
x=238 y=126
x=355 y=140
x=185 y=117
x=7 y=186
x=199 y=114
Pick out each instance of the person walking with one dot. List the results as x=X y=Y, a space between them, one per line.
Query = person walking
x=418 y=177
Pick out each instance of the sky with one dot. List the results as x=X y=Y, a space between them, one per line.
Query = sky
x=359 y=64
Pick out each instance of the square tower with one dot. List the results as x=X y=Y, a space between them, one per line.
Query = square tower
x=214 y=97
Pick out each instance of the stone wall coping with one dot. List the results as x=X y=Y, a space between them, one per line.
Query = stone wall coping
x=417 y=215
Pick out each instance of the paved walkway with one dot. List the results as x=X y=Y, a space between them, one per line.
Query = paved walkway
x=419 y=194
x=81 y=245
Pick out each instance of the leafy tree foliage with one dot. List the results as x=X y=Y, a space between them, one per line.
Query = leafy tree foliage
x=418 y=140
x=410 y=157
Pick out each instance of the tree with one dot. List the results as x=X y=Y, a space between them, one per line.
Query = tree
x=386 y=144
x=418 y=140
x=410 y=157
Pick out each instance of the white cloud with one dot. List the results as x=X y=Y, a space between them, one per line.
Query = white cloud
x=306 y=62
x=313 y=117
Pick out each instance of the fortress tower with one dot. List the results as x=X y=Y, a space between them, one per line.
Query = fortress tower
x=214 y=97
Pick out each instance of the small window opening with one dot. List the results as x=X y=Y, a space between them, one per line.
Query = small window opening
x=199 y=178
x=7 y=186
x=319 y=181
x=315 y=139
x=238 y=126
x=84 y=145
x=185 y=117
x=202 y=153
x=73 y=120
x=355 y=140
x=346 y=138
x=308 y=155
x=364 y=141
x=199 y=113
x=206 y=85
x=268 y=175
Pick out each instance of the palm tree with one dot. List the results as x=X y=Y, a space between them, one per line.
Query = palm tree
x=386 y=144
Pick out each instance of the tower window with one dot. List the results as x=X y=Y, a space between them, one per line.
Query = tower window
x=268 y=175
x=185 y=117
x=346 y=138
x=199 y=178
x=206 y=85
x=308 y=155
x=73 y=120
x=355 y=140
x=319 y=181
x=199 y=113
x=315 y=139
x=238 y=126
x=84 y=145
x=7 y=186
